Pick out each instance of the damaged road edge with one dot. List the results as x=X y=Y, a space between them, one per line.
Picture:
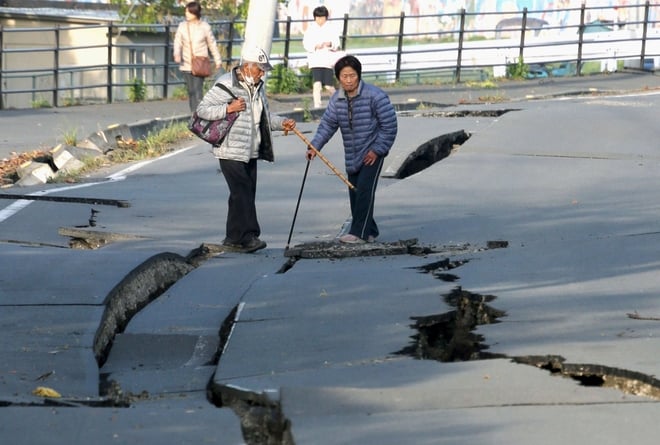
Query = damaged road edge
x=140 y=287
x=260 y=413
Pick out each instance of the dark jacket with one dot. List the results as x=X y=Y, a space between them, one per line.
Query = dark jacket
x=369 y=124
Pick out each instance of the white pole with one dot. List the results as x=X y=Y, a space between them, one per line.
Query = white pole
x=260 y=24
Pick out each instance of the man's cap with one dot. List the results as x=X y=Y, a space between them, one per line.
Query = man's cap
x=255 y=54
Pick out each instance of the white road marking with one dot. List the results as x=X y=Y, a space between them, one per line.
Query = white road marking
x=20 y=204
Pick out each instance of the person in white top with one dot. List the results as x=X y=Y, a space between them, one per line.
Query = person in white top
x=321 y=41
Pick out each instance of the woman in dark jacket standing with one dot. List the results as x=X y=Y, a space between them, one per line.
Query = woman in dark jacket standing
x=367 y=121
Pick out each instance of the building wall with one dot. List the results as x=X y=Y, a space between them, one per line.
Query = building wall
x=81 y=56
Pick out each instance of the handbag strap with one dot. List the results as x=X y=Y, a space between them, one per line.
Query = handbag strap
x=190 y=43
x=226 y=89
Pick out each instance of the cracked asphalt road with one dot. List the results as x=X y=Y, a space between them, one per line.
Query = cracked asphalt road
x=569 y=183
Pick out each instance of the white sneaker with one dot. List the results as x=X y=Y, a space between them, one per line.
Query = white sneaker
x=371 y=239
x=350 y=239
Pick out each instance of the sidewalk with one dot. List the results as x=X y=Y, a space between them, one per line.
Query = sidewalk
x=32 y=129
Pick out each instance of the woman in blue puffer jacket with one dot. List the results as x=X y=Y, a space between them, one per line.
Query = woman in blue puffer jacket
x=367 y=121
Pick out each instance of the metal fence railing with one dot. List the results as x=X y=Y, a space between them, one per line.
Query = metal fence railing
x=65 y=65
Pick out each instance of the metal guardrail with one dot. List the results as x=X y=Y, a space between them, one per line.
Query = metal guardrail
x=45 y=65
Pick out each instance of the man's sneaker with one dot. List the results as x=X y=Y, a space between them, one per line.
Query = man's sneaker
x=253 y=245
x=371 y=239
x=350 y=239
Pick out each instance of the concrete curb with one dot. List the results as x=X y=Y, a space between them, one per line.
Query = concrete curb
x=66 y=159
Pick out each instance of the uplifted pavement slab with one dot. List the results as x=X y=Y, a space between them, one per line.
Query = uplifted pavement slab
x=498 y=425
x=580 y=229
x=430 y=135
x=292 y=354
x=160 y=364
x=322 y=312
x=405 y=384
x=173 y=343
x=514 y=182
x=392 y=400
x=585 y=300
x=399 y=383
x=51 y=314
x=563 y=211
x=491 y=401
x=176 y=419
x=201 y=301
x=607 y=127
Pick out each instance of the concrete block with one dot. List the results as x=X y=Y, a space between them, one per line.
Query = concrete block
x=64 y=161
x=106 y=140
x=72 y=166
x=60 y=156
x=34 y=173
x=84 y=150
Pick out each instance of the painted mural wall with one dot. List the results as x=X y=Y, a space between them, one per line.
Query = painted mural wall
x=555 y=12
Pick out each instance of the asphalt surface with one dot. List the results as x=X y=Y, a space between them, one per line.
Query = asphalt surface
x=526 y=311
x=44 y=128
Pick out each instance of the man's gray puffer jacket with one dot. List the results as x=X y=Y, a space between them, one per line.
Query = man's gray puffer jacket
x=238 y=143
x=369 y=124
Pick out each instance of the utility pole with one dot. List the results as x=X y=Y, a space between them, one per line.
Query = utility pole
x=260 y=24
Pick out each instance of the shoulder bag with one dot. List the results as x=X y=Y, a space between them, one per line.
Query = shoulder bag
x=213 y=132
x=200 y=66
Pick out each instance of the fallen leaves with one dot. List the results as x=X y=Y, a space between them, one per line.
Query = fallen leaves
x=44 y=391
x=9 y=166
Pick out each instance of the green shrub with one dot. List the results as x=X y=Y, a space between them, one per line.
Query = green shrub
x=180 y=93
x=518 y=70
x=70 y=101
x=137 y=91
x=40 y=103
x=283 y=80
x=307 y=114
x=305 y=79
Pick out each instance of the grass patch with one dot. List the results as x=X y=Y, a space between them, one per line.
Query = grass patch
x=152 y=146
x=70 y=137
x=155 y=144
x=486 y=84
x=180 y=93
x=41 y=103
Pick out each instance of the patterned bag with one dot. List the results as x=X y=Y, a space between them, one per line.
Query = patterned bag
x=213 y=132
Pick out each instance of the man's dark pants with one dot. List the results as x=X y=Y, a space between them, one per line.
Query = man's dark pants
x=241 y=177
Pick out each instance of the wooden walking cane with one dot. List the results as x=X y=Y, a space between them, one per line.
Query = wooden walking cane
x=324 y=159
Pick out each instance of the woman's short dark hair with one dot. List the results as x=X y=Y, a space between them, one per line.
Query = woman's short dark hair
x=351 y=61
x=195 y=9
x=321 y=11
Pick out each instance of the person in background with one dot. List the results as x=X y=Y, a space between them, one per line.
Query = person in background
x=248 y=140
x=194 y=36
x=321 y=41
x=368 y=124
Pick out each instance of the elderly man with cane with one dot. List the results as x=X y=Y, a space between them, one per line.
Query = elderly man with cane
x=242 y=91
